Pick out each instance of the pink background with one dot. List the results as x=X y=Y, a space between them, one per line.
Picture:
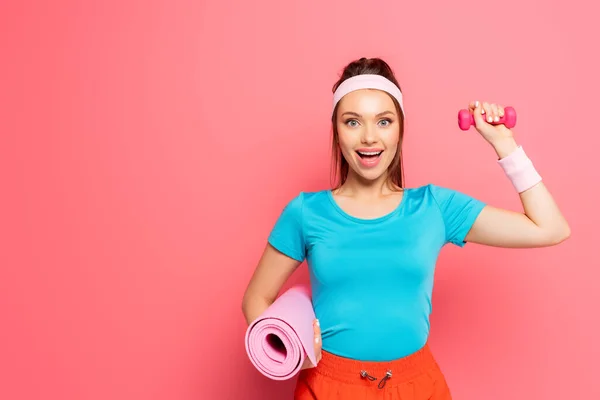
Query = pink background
x=148 y=147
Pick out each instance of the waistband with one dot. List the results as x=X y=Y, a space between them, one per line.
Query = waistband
x=394 y=372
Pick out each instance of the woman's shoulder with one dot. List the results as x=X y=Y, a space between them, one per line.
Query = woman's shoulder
x=424 y=189
x=314 y=198
x=433 y=189
x=307 y=197
x=436 y=192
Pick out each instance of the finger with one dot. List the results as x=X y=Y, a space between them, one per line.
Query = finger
x=495 y=115
x=318 y=341
x=487 y=109
x=477 y=113
x=500 y=111
x=473 y=105
x=484 y=106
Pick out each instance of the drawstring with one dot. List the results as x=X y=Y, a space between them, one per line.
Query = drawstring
x=364 y=374
x=383 y=380
x=387 y=376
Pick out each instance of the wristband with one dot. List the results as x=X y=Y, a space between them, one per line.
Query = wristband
x=520 y=170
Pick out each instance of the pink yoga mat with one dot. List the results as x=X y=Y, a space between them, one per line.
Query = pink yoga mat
x=279 y=340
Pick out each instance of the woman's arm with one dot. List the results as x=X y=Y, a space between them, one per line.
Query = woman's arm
x=271 y=273
x=542 y=223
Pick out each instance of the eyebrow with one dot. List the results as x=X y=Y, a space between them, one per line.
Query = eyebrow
x=378 y=115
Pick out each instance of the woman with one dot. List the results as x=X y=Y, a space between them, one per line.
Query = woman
x=371 y=244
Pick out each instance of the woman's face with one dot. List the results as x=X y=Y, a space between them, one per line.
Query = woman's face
x=368 y=132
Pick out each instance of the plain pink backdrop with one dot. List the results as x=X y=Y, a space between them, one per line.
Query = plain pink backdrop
x=148 y=147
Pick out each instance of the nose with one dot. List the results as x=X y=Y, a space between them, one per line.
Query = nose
x=369 y=134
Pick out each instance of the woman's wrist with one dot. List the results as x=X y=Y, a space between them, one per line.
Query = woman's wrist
x=518 y=167
x=504 y=147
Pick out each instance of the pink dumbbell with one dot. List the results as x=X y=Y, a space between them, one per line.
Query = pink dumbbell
x=465 y=119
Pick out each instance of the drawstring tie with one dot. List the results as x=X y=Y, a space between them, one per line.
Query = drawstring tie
x=365 y=374
x=383 y=380
x=387 y=376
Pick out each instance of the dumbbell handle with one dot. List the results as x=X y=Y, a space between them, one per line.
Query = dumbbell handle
x=466 y=120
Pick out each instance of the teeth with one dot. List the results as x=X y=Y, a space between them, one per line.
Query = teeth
x=369 y=153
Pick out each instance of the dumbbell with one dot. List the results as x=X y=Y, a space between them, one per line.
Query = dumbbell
x=466 y=120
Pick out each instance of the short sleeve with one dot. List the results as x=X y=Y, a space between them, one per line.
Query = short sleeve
x=459 y=212
x=287 y=235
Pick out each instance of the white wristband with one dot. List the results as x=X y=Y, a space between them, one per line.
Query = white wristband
x=520 y=170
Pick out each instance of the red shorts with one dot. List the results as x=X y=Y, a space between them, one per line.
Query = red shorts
x=415 y=377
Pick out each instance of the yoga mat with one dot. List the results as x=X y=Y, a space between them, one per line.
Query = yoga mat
x=281 y=338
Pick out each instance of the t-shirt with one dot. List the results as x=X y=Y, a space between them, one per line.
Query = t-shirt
x=372 y=279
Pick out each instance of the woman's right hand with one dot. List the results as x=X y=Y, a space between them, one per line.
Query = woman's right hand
x=318 y=346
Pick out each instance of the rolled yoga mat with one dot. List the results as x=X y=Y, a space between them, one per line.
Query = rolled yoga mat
x=281 y=338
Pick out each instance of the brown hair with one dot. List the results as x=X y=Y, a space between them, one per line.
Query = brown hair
x=339 y=165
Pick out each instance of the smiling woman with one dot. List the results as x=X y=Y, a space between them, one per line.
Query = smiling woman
x=347 y=122
x=371 y=244
x=368 y=137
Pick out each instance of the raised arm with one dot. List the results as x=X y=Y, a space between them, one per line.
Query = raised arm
x=542 y=223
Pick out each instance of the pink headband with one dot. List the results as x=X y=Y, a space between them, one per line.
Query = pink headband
x=368 y=81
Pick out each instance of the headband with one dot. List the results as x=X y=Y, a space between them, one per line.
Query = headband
x=367 y=81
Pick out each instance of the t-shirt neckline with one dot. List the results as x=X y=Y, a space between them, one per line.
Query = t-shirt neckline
x=384 y=217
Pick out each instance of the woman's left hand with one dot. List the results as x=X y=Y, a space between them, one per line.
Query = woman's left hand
x=485 y=114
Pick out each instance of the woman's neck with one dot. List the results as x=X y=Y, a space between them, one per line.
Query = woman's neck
x=357 y=186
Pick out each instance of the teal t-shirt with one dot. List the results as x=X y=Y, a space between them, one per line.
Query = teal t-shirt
x=372 y=279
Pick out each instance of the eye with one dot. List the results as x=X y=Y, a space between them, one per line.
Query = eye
x=351 y=123
x=387 y=121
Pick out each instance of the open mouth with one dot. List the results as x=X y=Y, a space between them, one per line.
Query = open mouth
x=369 y=158
x=369 y=155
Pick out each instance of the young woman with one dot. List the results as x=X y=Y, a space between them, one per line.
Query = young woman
x=371 y=244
